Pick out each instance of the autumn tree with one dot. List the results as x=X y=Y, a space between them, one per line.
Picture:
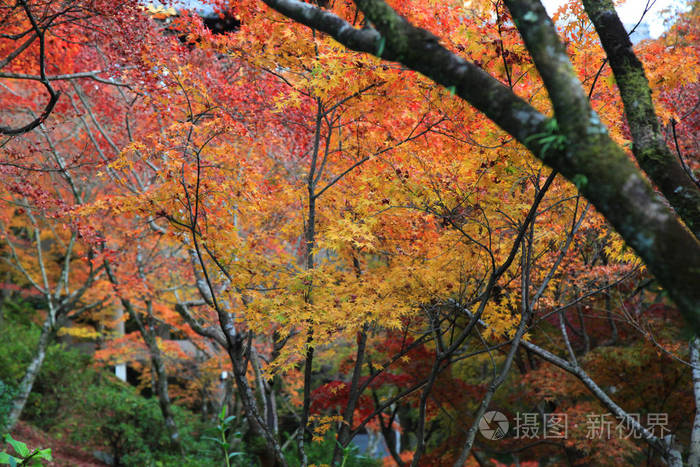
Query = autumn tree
x=588 y=157
x=576 y=144
x=252 y=262
x=47 y=163
x=354 y=242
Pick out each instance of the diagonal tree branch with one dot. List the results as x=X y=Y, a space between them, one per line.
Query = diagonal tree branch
x=649 y=146
x=589 y=157
x=54 y=95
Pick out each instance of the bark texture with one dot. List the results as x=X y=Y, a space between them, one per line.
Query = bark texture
x=649 y=145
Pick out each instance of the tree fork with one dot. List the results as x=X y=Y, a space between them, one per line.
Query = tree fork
x=591 y=159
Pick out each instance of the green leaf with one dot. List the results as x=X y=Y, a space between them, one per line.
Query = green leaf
x=19 y=447
x=580 y=181
x=5 y=458
x=216 y=440
x=43 y=454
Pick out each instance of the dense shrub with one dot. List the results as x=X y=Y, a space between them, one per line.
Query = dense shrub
x=132 y=429
x=72 y=398
x=64 y=373
x=7 y=392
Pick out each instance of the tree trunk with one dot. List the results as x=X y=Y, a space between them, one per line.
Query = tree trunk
x=161 y=378
x=344 y=437
x=590 y=158
x=164 y=397
x=159 y=371
x=694 y=455
x=261 y=440
x=25 y=386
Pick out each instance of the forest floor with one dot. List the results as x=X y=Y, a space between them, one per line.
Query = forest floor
x=63 y=452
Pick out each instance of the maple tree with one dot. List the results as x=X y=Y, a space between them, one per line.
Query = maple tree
x=56 y=253
x=361 y=249
x=394 y=38
x=41 y=250
x=588 y=152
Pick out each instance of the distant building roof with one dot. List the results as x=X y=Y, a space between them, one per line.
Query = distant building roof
x=203 y=9
x=165 y=11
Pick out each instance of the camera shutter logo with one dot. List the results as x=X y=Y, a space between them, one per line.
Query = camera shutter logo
x=493 y=425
